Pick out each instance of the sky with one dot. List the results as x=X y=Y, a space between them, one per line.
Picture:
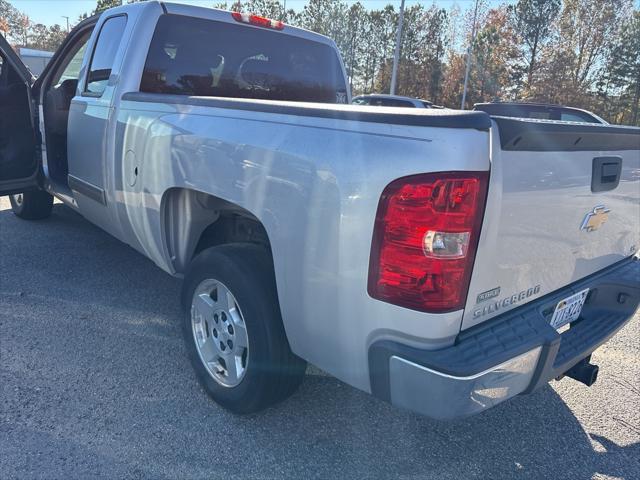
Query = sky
x=51 y=12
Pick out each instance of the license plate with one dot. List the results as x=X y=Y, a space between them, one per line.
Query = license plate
x=568 y=310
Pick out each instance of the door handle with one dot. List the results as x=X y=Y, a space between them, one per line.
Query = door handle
x=605 y=173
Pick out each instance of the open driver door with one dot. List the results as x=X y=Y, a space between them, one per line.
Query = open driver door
x=19 y=163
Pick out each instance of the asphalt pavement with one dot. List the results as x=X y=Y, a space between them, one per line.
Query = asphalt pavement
x=95 y=383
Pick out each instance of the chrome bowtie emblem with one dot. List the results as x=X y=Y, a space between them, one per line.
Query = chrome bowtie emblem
x=595 y=218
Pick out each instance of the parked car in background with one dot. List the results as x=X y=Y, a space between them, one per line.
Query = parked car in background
x=382 y=100
x=542 y=111
x=440 y=260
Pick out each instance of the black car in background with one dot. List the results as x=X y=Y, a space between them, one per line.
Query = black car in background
x=538 y=110
x=384 y=100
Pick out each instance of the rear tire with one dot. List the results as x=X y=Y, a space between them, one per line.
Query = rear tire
x=32 y=205
x=230 y=301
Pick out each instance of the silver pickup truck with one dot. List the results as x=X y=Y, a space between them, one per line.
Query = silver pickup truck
x=444 y=261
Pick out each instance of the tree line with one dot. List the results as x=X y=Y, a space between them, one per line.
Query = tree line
x=582 y=53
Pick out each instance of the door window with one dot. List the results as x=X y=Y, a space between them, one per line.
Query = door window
x=69 y=69
x=104 y=55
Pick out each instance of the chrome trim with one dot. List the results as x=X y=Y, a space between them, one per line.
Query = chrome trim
x=471 y=377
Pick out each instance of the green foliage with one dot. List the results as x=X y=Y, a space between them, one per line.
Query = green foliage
x=102 y=5
x=20 y=31
x=622 y=74
x=46 y=38
x=532 y=20
x=15 y=24
x=574 y=67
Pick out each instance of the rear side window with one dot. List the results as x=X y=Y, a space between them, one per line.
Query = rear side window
x=193 y=56
x=577 y=117
x=104 y=54
x=392 y=102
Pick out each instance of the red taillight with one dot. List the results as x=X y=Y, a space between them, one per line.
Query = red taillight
x=257 y=20
x=424 y=240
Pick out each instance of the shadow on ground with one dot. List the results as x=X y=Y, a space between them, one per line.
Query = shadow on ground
x=95 y=383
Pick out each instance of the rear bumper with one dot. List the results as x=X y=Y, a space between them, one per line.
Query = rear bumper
x=514 y=353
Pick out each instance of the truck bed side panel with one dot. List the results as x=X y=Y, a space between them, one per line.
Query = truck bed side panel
x=314 y=182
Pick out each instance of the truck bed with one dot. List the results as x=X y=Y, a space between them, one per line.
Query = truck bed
x=312 y=174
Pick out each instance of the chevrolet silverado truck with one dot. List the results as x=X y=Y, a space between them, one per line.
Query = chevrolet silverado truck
x=443 y=261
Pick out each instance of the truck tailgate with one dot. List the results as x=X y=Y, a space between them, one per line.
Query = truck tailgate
x=555 y=210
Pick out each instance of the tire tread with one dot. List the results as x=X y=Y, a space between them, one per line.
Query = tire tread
x=36 y=205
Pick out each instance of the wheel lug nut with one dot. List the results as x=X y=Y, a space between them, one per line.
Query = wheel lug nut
x=215 y=317
x=222 y=346
x=215 y=333
x=230 y=330
x=223 y=316
x=230 y=343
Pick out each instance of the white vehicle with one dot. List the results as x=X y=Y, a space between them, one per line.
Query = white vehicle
x=35 y=60
x=441 y=260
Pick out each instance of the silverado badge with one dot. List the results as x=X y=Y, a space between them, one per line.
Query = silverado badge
x=595 y=218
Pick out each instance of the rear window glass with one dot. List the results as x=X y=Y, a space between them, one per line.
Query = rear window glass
x=193 y=56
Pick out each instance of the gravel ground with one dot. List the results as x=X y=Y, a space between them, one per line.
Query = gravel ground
x=95 y=383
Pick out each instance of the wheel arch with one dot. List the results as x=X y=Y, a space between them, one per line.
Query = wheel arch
x=193 y=220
